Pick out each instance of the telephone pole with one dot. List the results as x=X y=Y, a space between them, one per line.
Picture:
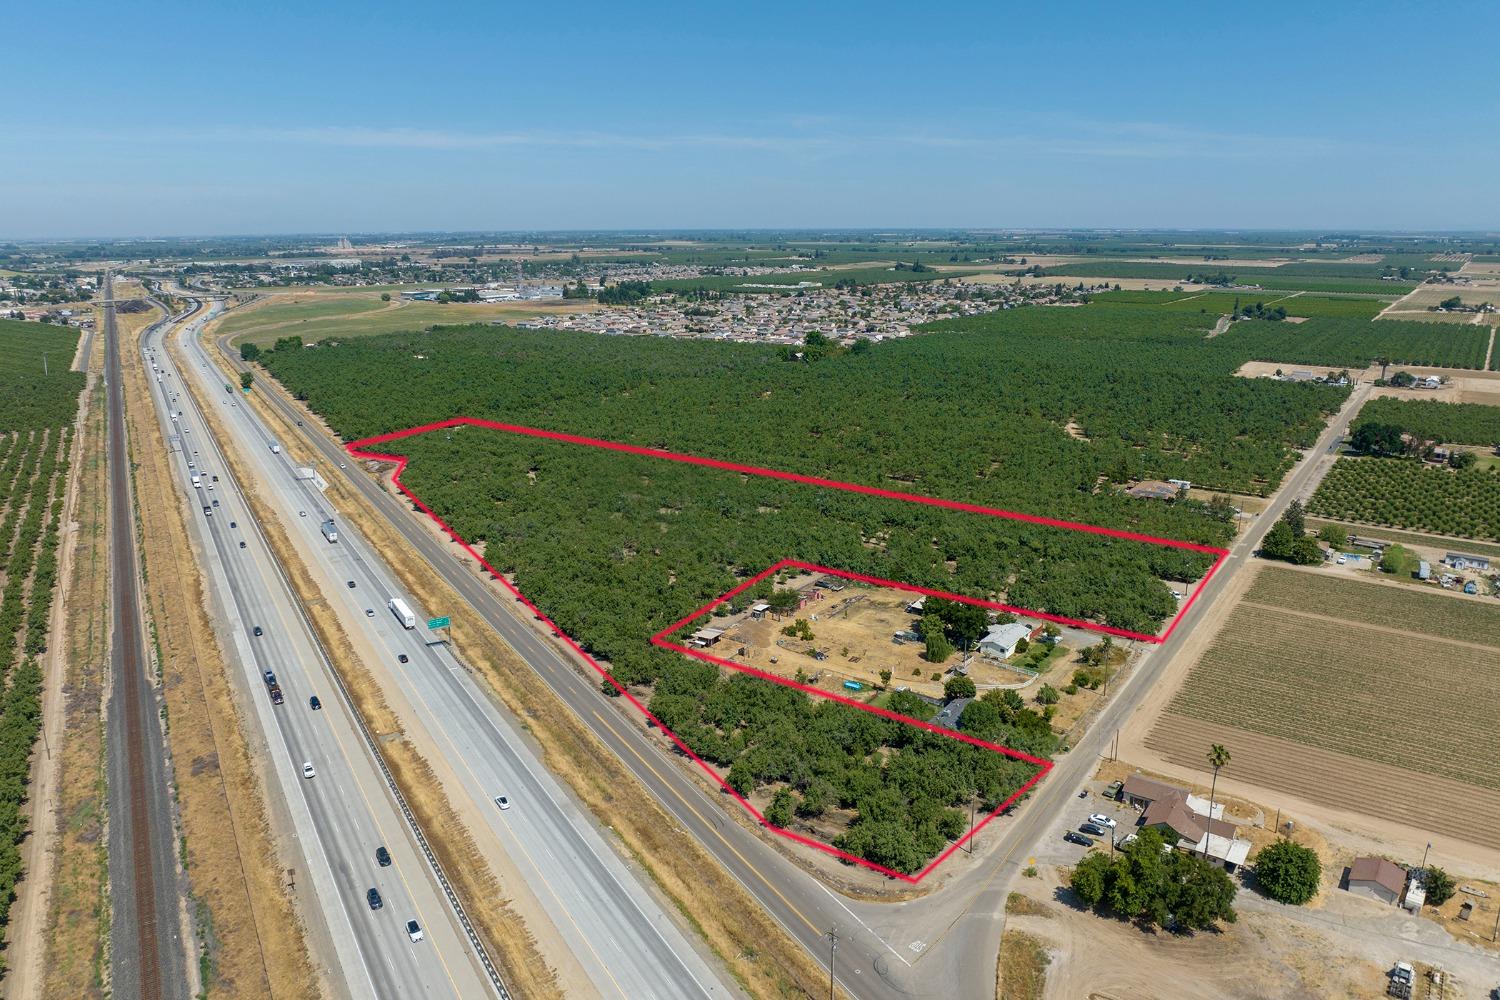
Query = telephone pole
x=833 y=947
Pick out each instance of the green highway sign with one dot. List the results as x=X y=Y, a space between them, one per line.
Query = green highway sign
x=438 y=622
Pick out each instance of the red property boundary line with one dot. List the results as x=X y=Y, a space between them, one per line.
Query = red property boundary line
x=358 y=450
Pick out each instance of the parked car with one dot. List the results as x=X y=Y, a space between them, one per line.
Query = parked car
x=1099 y=819
x=1077 y=838
x=413 y=929
x=1093 y=830
x=502 y=801
x=307 y=769
x=373 y=898
x=314 y=704
x=382 y=857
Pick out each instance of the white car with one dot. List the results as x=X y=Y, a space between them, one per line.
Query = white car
x=414 y=930
x=1099 y=819
x=369 y=612
x=307 y=769
x=502 y=801
x=302 y=513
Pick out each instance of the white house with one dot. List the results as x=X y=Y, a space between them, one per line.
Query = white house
x=1001 y=640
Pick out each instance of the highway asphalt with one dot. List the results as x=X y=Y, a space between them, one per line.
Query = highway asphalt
x=345 y=811
x=623 y=938
x=941 y=945
x=148 y=955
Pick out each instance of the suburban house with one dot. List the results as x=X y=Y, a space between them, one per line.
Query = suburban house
x=1462 y=561
x=1001 y=640
x=1377 y=878
x=1186 y=818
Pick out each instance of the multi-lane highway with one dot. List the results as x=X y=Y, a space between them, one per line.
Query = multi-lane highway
x=148 y=956
x=324 y=775
x=617 y=939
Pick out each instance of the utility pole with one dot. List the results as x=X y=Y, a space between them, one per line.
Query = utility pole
x=1424 y=856
x=45 y=372
x=833 y=947
x=970 y=838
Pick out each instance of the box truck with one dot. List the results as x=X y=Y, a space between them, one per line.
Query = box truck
x=402 y=612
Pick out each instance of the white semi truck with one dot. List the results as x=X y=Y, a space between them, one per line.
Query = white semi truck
x=330 y=531
x=402 y=612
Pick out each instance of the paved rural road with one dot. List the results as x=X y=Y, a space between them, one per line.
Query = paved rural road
x=625 y=941
x=148 y=956
x=344 y=813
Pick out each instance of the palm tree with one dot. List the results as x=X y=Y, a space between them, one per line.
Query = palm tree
x=1217 y=758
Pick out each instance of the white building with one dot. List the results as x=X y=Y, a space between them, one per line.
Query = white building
x=1001 y=640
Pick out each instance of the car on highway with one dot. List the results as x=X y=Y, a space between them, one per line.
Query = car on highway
x=413 y=929
x=314 y=703
x=402 y=658
x=258 y=630
x=373 y=898
x=1077 y=838
x=382 y=857
x=369 y=612
x=502 y=801
x=301 y=513
x=242 y=545
x=1092 y=829
x=308 y=771
x=234 y=524
x=1099 y=819
x=351 y=584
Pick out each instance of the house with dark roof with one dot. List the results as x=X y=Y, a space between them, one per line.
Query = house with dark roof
x=1376 y=878
x=1193 y=823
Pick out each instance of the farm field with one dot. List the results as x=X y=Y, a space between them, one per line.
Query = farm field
x=1407 y=493
x=1408 y=537
x=1224 y=303
x=1445 y=423
x=36 y=434
x=1356 y=343
x=1300 y=720
x=352 y=315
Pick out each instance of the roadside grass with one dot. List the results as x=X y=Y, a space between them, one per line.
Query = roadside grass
x=765 y=960
x=78 y=913
x=1021 y=973
x=249 y=939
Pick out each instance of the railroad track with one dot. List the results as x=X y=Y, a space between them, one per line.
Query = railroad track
x=145 y=965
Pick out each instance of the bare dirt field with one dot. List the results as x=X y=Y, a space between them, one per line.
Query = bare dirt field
x=1376 y=703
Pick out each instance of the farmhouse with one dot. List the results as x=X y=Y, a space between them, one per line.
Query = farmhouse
x=1186 y=818
x=1462 y=561
x=948 y=716
x=1377 y=878
x=1001 y=640
x=1153 y=489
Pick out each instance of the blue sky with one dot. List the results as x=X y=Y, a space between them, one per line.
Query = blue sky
x=208 y=118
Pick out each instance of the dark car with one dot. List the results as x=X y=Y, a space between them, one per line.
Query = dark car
x=382 y=857
x=234 y=524
x=351 y=584
x=313 y=703
x=1093 y=829
x=1077 y=838
x=259 y=630
x=373 y=898
x=402 y=658
x=242 y=545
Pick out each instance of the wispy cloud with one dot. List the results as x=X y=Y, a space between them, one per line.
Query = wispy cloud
x=1026 y=133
